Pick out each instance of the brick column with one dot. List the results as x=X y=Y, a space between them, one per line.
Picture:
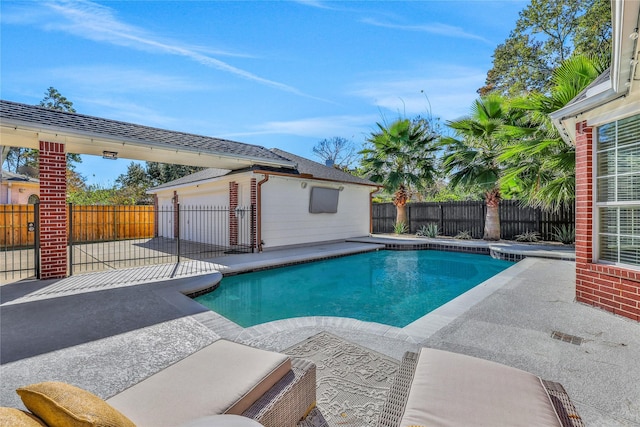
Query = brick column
x=53 y=210
x=584 y=212
x=176 y=215
x=233 y=220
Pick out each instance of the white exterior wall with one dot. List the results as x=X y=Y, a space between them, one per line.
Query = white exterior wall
x=209 y=227
x=286 y=219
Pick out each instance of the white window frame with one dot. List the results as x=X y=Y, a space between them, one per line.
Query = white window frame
x=598 y=205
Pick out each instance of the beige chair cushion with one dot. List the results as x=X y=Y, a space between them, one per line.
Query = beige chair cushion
x=11 y=417
x=63 y=405
x=451 y=389
x=223 y=377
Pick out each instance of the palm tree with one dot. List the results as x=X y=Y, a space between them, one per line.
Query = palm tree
x=471 y=157
x=401 y=157
x=542 y=165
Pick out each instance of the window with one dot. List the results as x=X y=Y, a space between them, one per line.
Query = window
x=323 y=200
x=618 y=191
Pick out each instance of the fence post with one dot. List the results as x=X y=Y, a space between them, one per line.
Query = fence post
x=70 y=218
x=177 y=229
x=36 y=238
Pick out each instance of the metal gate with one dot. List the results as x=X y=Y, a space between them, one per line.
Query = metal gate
x=112 y=237
x=19 y=242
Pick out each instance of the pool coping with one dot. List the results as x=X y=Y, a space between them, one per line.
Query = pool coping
x=416 y=332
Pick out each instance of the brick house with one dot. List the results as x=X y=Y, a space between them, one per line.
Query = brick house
x=604 y=124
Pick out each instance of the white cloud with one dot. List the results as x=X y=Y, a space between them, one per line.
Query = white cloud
x=447 y=95
x=130 y=112
x=314 y=3
x=432 y=28
x=98 y=23
x=113 y=79
x=316 y=127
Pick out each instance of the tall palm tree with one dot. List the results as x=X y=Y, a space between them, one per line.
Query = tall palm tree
x=541 y=164
x=471 y=156
x=401 y=157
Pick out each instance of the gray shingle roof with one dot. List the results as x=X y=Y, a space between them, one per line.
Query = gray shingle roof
x=305 y=166
x=318 y=170
x=45 y=118
x=10 y=176
x=202 y=175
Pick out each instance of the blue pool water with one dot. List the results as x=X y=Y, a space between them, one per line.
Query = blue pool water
x=390 y=287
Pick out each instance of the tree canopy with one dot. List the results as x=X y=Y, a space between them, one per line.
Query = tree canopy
x=25 y=160
x=547 y=33
x=340 y=151
x=401 y=157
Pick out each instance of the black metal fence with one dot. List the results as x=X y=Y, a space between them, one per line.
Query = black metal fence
x=165 y=235
x=454 y=217
x=18 y=242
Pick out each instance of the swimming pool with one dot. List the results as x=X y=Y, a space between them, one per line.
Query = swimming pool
x=390 y=287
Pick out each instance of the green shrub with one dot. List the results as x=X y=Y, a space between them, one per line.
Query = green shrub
x=429 y=230
x=528 y=236
x=400 y=228
x=463 y=235
x=565 y=234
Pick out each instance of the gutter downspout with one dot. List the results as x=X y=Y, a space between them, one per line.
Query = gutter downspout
x=259 y=212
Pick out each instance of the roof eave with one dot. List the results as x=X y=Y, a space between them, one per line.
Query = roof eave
x=572 y=111
x=624 y=49
x=312 y=177
x=54 y=134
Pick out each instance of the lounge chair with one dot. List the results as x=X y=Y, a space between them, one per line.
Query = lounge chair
x=223 y=384
x=436 y=388
x=223 y=378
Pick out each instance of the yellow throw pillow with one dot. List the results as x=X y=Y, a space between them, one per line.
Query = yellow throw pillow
x=11 y=417
x=63 y=405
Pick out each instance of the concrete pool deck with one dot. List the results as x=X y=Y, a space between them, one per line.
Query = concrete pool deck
x=106 y=336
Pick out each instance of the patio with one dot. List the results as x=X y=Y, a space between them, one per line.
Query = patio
x=104 y=335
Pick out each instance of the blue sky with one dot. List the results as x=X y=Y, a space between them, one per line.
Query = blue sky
x=283 y=74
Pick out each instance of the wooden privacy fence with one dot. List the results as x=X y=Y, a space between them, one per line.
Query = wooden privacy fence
x=89 y=223
x=454 y=217
x=108 y=223
x=17 y=226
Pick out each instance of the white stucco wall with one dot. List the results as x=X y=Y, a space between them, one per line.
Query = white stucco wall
x=17 y=193
x=286 y=219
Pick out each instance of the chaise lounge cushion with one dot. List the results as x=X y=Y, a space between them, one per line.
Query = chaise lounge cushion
x=224 y=377
x=450 y=389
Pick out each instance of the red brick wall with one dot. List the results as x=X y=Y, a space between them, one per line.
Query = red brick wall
x=611 y=288
x=53 y=214
x=233 y=220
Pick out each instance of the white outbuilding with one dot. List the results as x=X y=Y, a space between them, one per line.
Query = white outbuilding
x=266 y=207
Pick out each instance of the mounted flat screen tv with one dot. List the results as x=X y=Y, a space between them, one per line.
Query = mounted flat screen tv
x=323 y=200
